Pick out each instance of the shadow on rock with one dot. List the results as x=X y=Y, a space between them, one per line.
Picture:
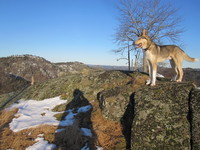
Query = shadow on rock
x=75 y=130
x=127 y=121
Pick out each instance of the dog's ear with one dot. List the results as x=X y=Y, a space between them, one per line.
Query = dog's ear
x=145 y=33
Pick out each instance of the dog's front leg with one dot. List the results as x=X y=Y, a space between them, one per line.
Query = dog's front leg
x=154 y=71
x=148 y=82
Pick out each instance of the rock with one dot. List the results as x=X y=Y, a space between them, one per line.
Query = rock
x=161 y=117
x=195 y=118
x=113 y=102
x=154 y=117
x=91 y=84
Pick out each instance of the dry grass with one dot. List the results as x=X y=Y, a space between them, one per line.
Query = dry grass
x=71 y=137
x=139 y=80
x=109 y=133
x=22 y=139
x=6 y=116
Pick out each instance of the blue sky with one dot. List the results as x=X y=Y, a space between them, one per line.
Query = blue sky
x=77 y=30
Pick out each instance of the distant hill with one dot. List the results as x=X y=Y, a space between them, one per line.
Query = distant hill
x=109 y=67
x=27 y=66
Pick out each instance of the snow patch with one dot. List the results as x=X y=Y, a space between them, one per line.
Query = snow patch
x=60 y=130
x=41 y=144
x=33 y=113
x=99 y=148
x=85 y=147
x=69 y=119
x=86 y=132
x=159 y=75
x=84 y=108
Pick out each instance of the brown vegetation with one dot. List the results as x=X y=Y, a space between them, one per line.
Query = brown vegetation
x=22 y=139
x=109 y=133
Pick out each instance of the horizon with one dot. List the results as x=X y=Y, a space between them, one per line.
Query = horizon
x=68 y=31
x=90 y=65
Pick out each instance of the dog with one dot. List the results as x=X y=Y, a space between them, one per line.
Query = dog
x=158 y=53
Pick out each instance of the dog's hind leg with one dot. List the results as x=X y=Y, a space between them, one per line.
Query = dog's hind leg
x=175 y=68
x=180 y=70
x=178 y=63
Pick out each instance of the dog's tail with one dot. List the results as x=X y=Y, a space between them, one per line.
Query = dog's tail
x=188 y=58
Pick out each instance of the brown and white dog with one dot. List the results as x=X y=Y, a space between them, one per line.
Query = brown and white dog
x=157 y=53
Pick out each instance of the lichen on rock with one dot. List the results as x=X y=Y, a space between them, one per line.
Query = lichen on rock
x=161 y=117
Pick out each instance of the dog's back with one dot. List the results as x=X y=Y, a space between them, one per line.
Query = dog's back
x=173 y=51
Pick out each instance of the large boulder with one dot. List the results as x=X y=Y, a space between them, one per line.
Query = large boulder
x=161 y=117
x=113 y=102
x=195 y=118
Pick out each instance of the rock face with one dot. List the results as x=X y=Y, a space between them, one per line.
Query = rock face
x=162 y=117
x=195 y=118
x=113 y=102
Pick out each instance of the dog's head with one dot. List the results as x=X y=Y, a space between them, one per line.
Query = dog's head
x=143 y=40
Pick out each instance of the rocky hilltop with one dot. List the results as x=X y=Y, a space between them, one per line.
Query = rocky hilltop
x=41 y=69
x=125 y=114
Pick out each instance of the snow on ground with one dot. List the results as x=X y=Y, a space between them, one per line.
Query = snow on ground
x=159 y=75
x=86 y=132
x=41 y=144
x=69 y=118
x=32 y=113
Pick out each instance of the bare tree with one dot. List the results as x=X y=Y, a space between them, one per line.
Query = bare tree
x=125 y=48
x=158 y=17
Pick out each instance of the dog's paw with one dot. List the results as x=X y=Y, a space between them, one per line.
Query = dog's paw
x=152 y=84
x=148 y=82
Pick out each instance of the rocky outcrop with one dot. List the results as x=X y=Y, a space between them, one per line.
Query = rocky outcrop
x=90 y=83
x=133 y=115
x=162 y=117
